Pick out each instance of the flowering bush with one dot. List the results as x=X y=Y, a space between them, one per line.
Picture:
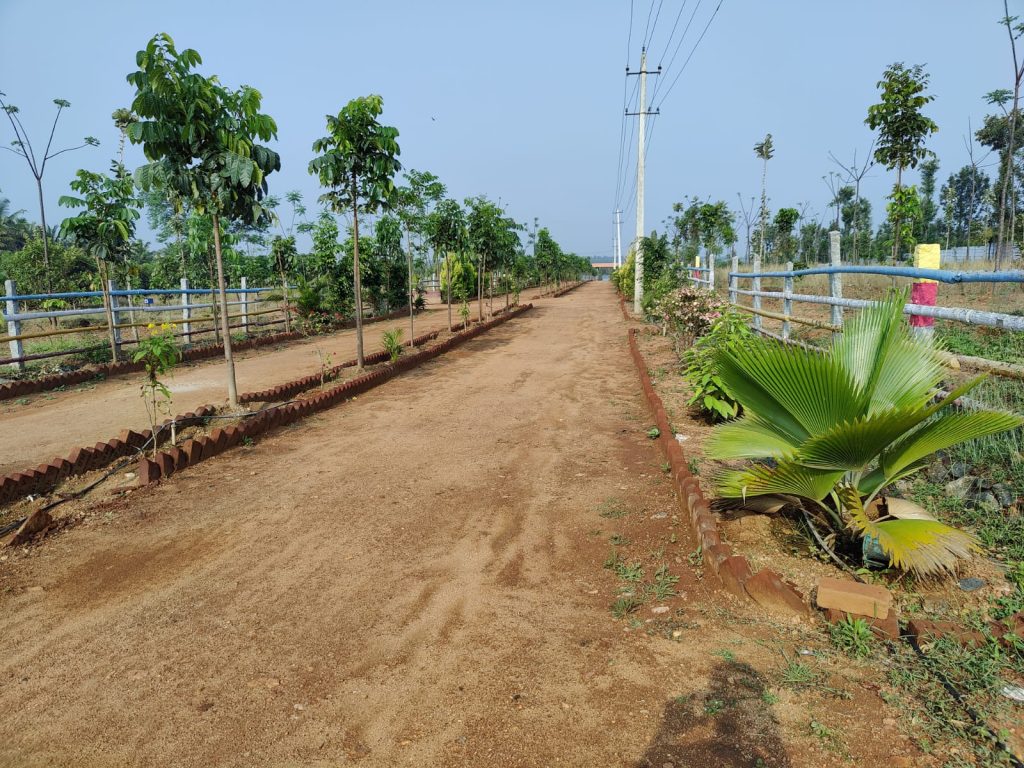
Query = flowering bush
x=689 y=311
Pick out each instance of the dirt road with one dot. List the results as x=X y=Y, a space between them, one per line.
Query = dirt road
x=50 y=424
x=411 y=579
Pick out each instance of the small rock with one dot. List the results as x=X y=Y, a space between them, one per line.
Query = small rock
x=681 y=438
x=937 y=473
x=958 y=469
x=129 y=475
x=660 y=609
x=970 y=584
x=985 y=501
x=659 y=516
x=984 y=484
x=1003 y=493
x=299 y=707
x=961 y=487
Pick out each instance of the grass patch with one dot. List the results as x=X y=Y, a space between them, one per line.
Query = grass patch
x=612 y=509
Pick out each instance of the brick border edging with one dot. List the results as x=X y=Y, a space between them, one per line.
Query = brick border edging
x=192 y=451
x=46 y=477
x=294 y=387
x=766 y=587
x=198 y=352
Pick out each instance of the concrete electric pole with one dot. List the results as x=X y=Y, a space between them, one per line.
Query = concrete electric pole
x=642 y=113
x=618 y=238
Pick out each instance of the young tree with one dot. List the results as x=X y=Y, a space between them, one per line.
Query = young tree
x=358 y=160
x=902 y=132
x=412 y=202
x=485 y=238
x=201 y=141
x=785 y=220
x=105 y=226
x=855 y=175
x=22 y=146
x=929 y=207
x=447 y=234
x=764 y=150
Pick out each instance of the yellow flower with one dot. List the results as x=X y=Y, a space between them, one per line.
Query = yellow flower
x=151 y=325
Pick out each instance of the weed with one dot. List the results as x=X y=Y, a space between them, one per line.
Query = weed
x=653 y=433
x=624 y=606
x=247 y=441
x=828 y=737
x=798 y=675
x=612 y=561
x=769 y=698
x=612 y=509
x=852 y=636
x=22 y=401
x=664 y=584
x=666 y=467
x=696 y=558
x=693 y=466
x=618 y=540
x=713 y=706
x=682 y=700
x=632 y=572
x=672 y=539
x=725 y=654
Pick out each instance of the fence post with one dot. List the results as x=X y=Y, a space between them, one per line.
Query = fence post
x=13 y=326
x=787 y=302
x=924 y=292
x=756 y=288
x=711 y=271
x=733 y=280
x=835 y=280
x=115 y=315
x=245 y=307
x=186 y=312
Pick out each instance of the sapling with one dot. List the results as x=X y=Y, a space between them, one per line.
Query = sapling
x=158 y=354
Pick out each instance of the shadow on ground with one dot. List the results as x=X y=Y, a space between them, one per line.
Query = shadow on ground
x=730 y=724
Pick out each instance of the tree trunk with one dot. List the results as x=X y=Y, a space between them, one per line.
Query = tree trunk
x=223 y=297
x=107 y=309
x=896 y=222
x=410 y=286
x=480 y=289
x=46 y=240
x=448 y=272
x=357 y=282
x=284 y=295
x=213 y=300
x=1007 y=176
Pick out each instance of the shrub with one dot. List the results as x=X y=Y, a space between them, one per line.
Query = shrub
x=689 y=311
x=710 y=394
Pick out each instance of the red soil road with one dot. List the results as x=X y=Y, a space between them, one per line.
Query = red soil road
x=411 y=579
x=52 y=424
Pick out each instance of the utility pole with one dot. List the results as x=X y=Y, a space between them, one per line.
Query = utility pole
x=618 y=238
x=642 y=113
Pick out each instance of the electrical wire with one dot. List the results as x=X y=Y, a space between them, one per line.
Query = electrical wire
x=679 y=45
x=692 y=51
x=654 y=26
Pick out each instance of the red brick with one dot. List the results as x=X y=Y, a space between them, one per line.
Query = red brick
x=165 y=462
x=64 y=468
x=735 y=573
x=219 y=439
x=716 y=555
x=233 y=435
x=132 y=438
x=193 y=451
x=148 y=471
x=178 y=457
x=852 y=597
x=37 y=522
x=767 y=589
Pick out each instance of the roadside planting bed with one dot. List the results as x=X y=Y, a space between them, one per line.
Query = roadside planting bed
x=202 y=441
x=951 y=635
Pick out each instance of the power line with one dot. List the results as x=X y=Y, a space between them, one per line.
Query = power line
x=679 y=45
x=672 y=34
x=692 y=51
x=647 y=43
x=647 y=26
x=619 y=182
x=629 y=37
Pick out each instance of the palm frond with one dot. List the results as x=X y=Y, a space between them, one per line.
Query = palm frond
x=924 y=546
x=748 y=437
x=786 y=478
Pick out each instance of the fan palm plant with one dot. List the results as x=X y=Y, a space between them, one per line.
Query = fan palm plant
x=830 y=430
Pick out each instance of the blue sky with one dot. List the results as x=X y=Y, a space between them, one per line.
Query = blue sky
x=523 y=101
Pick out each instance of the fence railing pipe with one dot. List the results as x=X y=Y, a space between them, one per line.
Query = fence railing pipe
x=941 y=275
x=13 y=326
x=111 y=287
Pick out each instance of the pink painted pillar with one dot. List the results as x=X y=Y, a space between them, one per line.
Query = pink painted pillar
x=925 y=292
